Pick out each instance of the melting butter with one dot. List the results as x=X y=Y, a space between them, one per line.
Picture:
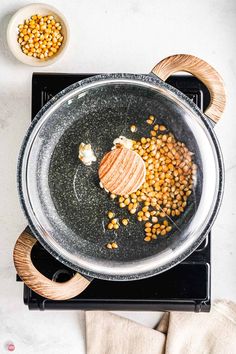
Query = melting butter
x=86 y=154
x=122 y=140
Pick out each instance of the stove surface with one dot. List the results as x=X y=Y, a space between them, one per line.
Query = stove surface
x=186 y=287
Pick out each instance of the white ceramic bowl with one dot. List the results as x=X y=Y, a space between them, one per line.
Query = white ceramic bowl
x=19 y=17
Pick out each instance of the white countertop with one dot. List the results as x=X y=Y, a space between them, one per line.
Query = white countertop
x=111 y=36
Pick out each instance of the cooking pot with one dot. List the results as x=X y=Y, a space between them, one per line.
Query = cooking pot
x=61 y=198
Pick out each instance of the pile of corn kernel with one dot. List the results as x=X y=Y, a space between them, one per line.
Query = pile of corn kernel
x=40 y=36
x=169 y=181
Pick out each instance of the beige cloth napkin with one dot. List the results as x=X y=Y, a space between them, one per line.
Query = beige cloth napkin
x=177 y=333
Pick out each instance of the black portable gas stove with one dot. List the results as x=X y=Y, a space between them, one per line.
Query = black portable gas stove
x=186 y=287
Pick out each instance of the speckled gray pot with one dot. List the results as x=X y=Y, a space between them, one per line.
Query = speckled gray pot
x=62 y=200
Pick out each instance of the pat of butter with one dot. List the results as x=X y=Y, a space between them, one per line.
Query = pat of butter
x=122 y=140
x=86 y=154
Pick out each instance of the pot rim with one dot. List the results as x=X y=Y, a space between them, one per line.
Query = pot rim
x=149 y=79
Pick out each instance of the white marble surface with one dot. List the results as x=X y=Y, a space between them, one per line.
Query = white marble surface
x=112 y=36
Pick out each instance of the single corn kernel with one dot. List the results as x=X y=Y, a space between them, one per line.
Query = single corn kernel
x=114 y=245
x=143 y=140
x=114 y=221
x=133 y=128
x=110 y=226
x=110 y=214
x=147 y=229
x=162 y=128
x=127 y=201
x=153 y=133
x=147 y=238
x=130 y=206
x=154 y=219
x=125 y=222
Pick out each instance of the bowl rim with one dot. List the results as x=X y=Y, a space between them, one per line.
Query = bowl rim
x=20 y=56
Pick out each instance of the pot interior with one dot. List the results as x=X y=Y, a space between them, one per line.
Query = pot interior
x=69 y=206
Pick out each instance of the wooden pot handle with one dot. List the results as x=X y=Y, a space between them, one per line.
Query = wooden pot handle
x=204 y=72
x=37 y=281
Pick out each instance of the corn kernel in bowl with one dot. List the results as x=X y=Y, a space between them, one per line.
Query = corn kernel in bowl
x=40 y=36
